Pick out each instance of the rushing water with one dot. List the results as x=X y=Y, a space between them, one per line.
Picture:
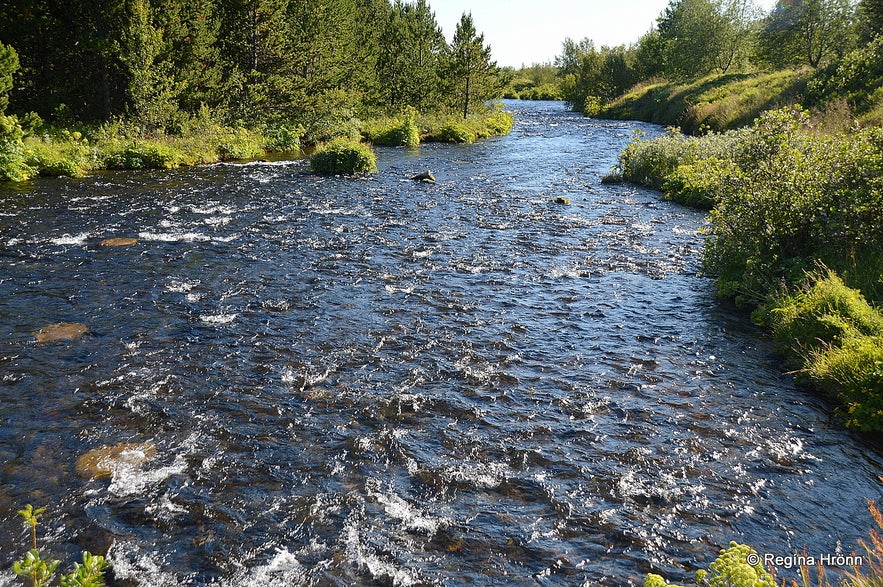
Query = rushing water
x=376 y=381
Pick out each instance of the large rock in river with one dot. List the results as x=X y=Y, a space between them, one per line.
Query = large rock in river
x=105 y=460
x=61 y=331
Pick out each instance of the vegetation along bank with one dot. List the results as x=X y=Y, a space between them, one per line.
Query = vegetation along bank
x=133 y=83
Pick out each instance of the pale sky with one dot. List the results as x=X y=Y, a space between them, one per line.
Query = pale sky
x=531 y=31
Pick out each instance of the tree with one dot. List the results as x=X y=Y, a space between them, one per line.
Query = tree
x=474 y=78
x=871 y=18
x=806 y=32
x=411 y=50
x=8 y=65
x=691 y=32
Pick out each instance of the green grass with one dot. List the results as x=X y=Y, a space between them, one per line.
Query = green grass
x=717 y=102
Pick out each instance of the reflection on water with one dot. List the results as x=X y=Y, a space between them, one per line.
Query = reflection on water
x=377 y=381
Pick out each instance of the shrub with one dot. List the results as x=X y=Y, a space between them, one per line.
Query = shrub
x=395 y=132
x=281 y=138
x=145 y=156
x=13 y=166
x=343 y=157
x=698 y=184
x=455 y=132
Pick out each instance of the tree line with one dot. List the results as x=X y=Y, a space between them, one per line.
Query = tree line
x=312 y=63
x=695 y=38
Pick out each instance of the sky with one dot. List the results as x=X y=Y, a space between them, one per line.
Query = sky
x=531 y=31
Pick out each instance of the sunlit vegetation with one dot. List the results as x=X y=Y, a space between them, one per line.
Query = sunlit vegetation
x=343 y=156
x=140 y=84
x=786 y=202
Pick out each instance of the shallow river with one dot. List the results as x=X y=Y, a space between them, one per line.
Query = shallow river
x=381 y=382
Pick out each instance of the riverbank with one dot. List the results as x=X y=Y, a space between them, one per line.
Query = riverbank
x=796 y=235
x=48 y=151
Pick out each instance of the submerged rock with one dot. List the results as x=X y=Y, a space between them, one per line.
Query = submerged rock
x=425 y=176
x=118 y=242
x=561 y=200
x=61 y=331
x=105 y=460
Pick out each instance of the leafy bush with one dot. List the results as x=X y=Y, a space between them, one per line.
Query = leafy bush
x=455 y=132
x=281 y=138
x=145 y=156
x=698 y=184
x=343 y=157
x=799 y=197
x=495 y=124
x=239 y=143
x=397 y=131
x=13 y=166
x=67 y=153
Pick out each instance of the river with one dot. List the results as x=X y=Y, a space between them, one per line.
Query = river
x=375 y=381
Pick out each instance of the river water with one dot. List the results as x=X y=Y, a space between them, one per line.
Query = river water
x=374 y=381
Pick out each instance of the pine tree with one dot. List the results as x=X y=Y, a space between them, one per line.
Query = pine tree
x=474 y=78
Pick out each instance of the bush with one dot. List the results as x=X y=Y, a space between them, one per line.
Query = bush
x=13 y=166
x=145 y=156
x=698 y=184
x=730 y=569
x=799 y=198
x=343 y=157
x=395 y=132
x=281 y=138
x=456 y=132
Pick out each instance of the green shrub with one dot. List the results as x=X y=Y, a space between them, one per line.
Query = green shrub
x=495 y=124
x=240 y=143
x=698 y=184
x=799 y=198
x=456 y=132
x=281 y=138
x=13 y=166
x=343 y=157
x=145 y=156
x=394 y=132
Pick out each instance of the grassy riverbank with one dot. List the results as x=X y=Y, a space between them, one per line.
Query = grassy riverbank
x=47 y=151
x=796 y=235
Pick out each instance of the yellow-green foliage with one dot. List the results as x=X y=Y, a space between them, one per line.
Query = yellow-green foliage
x=730 y=569
x=718 y=102
x=828 y=313
x=698 y=184
x=343 y=157
x=453 y=128
x=394 y=131
x=838 y=339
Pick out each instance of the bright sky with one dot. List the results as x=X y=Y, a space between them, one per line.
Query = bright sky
x=531 y=31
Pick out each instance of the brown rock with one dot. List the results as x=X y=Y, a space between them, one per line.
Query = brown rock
x=61 y=331
x=104 y=460
x=118 y=242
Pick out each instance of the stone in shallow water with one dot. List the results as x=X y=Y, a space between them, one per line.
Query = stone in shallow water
x=61 y=331
x=118 y=242
x=104 y=460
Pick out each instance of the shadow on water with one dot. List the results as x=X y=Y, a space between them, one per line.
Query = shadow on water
x=376 y=381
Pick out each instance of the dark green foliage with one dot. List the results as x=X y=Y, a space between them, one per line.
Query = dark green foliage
x=8 y=66
x=870 y=14
x=806 y=32
x=691 y=33
x=473 y=77
x=343 y=157
x=412 y=50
